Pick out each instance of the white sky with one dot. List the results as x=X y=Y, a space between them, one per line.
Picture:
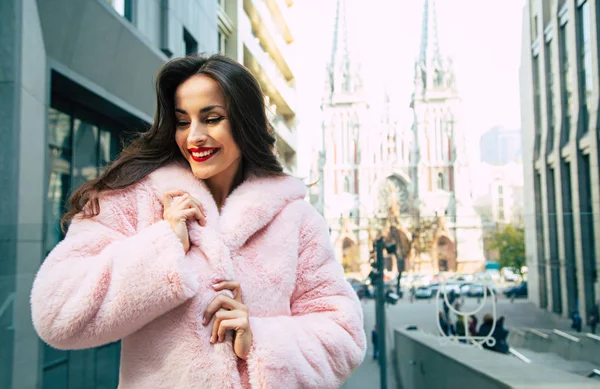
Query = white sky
x=482 y=36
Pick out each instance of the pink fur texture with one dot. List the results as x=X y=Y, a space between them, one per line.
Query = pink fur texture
x=124 y=275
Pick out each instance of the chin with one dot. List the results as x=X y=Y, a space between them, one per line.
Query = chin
x=203 y=174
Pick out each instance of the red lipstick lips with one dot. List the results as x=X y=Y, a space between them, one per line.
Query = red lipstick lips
x=201 y=154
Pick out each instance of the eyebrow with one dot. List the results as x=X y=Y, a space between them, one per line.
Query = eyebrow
x=203 y=110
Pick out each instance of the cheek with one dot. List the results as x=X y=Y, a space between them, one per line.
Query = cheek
x=181 y=139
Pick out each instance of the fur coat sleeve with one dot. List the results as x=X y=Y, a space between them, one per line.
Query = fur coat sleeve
x=109 y=276
x=323 y=341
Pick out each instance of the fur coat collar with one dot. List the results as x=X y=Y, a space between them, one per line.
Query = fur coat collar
x=248 y=209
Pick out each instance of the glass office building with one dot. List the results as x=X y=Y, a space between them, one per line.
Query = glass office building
x=76 y=82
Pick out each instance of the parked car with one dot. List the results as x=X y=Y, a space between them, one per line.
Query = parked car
x=516 y=291
x=423 y=292
x=361 y=288
x=477 y=290
x=390 y=286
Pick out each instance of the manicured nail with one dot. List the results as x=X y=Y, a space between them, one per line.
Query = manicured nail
x=215 y=286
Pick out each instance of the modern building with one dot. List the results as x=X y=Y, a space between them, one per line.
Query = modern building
x=76 y=78
x=368 y=166
x=264 y=44
x=500 y=145
x=500 y=193
x=559 y=97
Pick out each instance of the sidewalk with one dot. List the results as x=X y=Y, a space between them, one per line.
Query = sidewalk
x=366 y=376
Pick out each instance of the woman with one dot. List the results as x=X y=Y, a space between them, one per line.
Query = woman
x=200 y=254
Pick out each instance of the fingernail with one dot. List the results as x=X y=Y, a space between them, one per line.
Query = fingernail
x=215 y=286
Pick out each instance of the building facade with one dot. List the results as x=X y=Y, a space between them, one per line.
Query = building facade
x=368 y=167
x=264 y=37
x=76 y=79
x=502 y=201
x=500 y=145
x=560 y=96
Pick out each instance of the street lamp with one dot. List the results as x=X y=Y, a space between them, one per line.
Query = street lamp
x=381 y=298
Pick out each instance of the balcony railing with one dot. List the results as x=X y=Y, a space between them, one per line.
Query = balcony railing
x=282 y=53
x=268 y=67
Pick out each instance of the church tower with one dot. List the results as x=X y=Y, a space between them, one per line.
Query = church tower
x=440 y=163
x=344 y=113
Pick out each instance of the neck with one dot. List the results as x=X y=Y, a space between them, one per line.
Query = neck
x=221 y=185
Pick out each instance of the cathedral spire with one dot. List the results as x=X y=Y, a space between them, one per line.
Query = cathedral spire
x=429 y=55
x=342 y=73
x=433 y=71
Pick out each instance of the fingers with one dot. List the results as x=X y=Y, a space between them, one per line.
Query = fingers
x=176 y=204
x=168 y=196
x=233 y=286
x=221 y=301
x=198 y=204
x=223 y=322
x=188 y=205
x=236 y=324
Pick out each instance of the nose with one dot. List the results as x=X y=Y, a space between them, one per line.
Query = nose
x=198 y=134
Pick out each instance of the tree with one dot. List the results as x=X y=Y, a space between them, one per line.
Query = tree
x=510 y=243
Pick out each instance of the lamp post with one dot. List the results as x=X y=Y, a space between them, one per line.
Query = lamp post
x=380 y=312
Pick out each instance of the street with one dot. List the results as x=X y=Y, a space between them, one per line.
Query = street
x=423 y=314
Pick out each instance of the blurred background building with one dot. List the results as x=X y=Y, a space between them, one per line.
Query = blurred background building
x=499 y=146
x=366 y=165
x=559 y=98
x=76 y=80
x=264 y=31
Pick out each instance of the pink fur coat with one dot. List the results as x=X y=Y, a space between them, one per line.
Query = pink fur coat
x=124 y=275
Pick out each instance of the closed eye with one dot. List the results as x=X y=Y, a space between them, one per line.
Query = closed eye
x=182 y=123
x=215 y=120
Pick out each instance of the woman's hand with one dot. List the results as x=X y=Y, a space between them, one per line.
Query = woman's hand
x=230 y=314
x=178 y=207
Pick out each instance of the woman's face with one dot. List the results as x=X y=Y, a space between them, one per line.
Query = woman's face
x=203 y=131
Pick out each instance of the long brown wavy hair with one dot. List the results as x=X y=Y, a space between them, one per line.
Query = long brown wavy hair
x=245 y=105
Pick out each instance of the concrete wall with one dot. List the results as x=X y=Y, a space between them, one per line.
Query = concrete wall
x=424 y=361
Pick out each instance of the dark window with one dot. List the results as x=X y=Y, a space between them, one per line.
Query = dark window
x=81 y=142
x=536 y=103
x=123 y=8
x=553 y=241
x=549 y=97
x=566 y=88
x=585 y=57
x=541 y=252
x=191 y=45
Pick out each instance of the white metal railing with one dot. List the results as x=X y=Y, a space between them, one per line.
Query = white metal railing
x=271 y=70
x=592 y=336
x=6 y=304
x=519 y=355
x=538 y=333
x=267 y=20
x=565 y=335
x=284 y=131
x=593 y=373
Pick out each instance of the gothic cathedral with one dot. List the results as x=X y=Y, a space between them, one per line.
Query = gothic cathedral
x=410 y=183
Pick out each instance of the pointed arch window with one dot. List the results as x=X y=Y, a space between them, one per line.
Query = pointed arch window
x=438 y=78
x=440 y=181
x=347 y=184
